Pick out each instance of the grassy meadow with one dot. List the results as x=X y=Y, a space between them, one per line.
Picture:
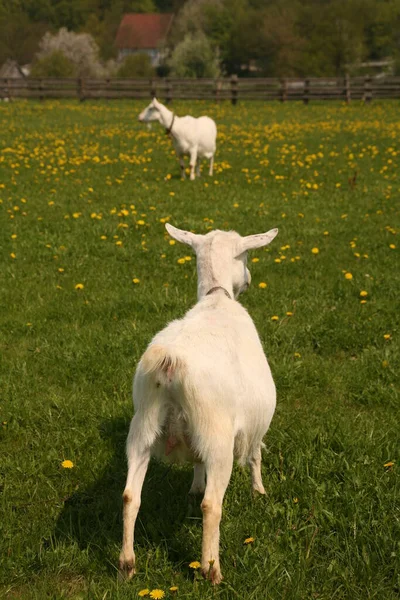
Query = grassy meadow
x=88 y=275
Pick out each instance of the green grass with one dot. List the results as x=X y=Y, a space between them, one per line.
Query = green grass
x=329 y=526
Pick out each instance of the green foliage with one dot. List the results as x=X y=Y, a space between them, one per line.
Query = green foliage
x=76 y=179
x=55 y=64
x=136 y=65
x=194 y=57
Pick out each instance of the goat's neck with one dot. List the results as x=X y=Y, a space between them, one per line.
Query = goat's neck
x=166 y=116
x=214 y=271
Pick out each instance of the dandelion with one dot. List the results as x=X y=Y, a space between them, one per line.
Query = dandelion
x=60 y=270
x=348 y=276
x=172 y=242
x=157 y=594
x=79 y=286
x=188 y=258
x=135 y=280
x=363 y=293
x=143 y=593
x=392 y=246
x=249 y=540
x=289 y=314
x=255 y=260
x=13 y=255
x=195 y=564
x=181 y=261
x=262 y=285
x=389 y=464
x=103 y=237
x=296 y=500
x=315 y=250
x=140 y=222
x=173 y=588
x=385 y=364
x=118 y=243
x=67 y=464
x=363 y=302
x=274 y=318
x=387 y=336
x=297 y=355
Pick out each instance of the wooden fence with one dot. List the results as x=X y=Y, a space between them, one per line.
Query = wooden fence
x=232 y=89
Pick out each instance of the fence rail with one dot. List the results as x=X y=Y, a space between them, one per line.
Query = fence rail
x=232 y=89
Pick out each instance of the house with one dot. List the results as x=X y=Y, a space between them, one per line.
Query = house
x=143 y=33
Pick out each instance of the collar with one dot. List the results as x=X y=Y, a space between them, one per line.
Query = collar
x=169 y=129
x=219 y=287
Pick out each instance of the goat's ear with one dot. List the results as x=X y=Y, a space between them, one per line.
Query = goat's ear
x=250 y=242
x=186 y=237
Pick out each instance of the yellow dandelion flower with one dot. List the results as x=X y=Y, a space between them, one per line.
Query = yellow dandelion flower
x=289 y=314
x=143 y=593
x=363 y=302
x=195 y=564
x=118 y=243
x=181 y=261
x=188 y=258
x=249 y=540
x=348 y=276
x=103 y=237
x=387 y=336
x=326 y=232
x=389 y=464
x=157 y=594
x=254 y=260
x=262 y=285
x=67 y=464
x=172 y=242
x=140 y=222
x=392 y=246
x=14 y=236
x=315 y=250
x=79 y=286
x=297 y=355
x=13 y=255
x=363 y=293
x=60 y=270
x=135 y=280
x=274 y=318
x=173 y=588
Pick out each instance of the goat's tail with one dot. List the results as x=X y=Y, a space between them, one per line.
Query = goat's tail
x=163 y=363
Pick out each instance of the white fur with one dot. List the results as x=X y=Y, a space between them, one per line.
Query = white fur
x=196 y=137
x=203 y=390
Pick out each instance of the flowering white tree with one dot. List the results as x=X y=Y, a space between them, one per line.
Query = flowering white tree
x=79 y=48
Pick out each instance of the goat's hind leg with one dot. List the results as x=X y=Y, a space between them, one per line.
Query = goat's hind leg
x=199 y=479
x=255 y=469
x=210 y=172
x=218 y=469
x=138 y=452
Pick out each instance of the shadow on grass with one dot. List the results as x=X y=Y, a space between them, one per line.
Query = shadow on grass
x=92 y=517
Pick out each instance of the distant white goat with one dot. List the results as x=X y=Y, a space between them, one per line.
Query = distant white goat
x=203 y=391
x=196 y=137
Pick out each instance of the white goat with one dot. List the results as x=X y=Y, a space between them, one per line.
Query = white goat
x=196 y=137
x=203 y=391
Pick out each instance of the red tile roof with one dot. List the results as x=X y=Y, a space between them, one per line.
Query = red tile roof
x=142 y=31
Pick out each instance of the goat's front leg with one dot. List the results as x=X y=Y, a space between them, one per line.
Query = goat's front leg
x=138 y=460
x=182 y=164
x=255 y=468
x=193 y=159
x=198 y=173
x=210 y=172
x=218 y=469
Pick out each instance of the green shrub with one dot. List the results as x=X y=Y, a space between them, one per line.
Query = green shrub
x=136 y=65
x=55 y=64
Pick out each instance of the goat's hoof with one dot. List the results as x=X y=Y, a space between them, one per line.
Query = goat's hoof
x=213 y=574
x=259 y=490
x=126 y=569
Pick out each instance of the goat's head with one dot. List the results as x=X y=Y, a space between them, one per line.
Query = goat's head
x=150 y=113
x=222 y=256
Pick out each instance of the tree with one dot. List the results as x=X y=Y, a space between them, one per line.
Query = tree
x=79 y=48
x=55 y=64
x=194 y=57
x=136 y=66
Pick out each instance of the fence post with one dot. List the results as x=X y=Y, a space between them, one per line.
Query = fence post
x=168 y=90
x=283 y=91
x=217 y=90
x=367 y=89
x=152 y=88
x=81 y=89
x=306 y=98
x=347 y=90
x=234 y=89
